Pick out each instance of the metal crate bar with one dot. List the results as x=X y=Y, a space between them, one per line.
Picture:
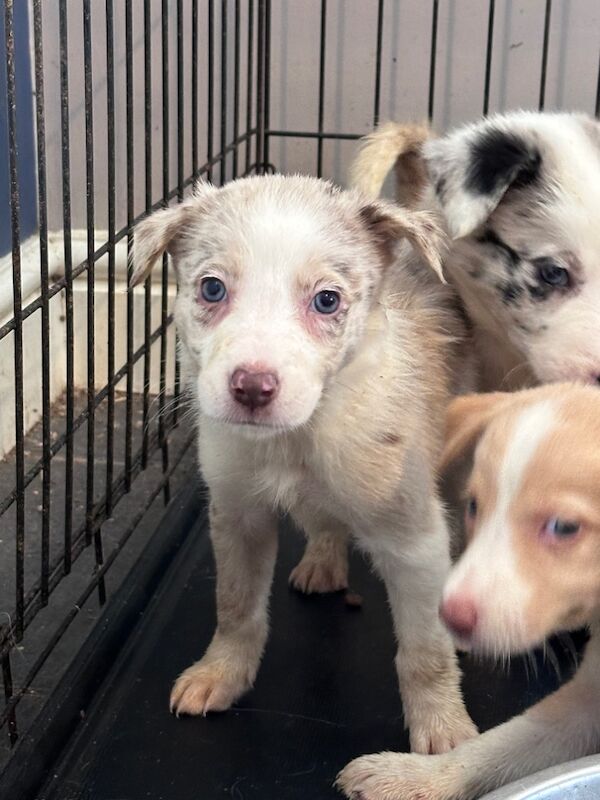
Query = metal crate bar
x=111 y=202
x=59 y=461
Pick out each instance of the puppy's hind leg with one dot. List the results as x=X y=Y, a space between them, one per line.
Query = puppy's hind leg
x=324 y=565
x=245 y=546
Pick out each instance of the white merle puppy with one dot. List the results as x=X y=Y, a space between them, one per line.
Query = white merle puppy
x=320 y=358
x=519 y=194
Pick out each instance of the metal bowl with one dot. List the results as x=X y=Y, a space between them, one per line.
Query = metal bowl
x=575 y=780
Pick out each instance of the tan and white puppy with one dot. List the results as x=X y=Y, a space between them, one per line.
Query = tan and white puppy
x=531 y=569
x=320 y=358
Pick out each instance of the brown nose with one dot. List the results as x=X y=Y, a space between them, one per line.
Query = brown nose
x=460 y=616
x=253 y=389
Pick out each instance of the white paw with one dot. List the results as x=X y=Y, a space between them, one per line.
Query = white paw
x=440 y=732
x=206 y=687
x=398 y=776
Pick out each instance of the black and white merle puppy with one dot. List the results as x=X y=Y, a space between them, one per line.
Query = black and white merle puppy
x=520 y=195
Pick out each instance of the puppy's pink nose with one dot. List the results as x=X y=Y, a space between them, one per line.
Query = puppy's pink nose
x=460 y=616
x=253 y=389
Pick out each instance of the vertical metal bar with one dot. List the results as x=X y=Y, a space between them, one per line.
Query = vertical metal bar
x=45 y=312
x=162 y=437
x=17 y=305
x=249 y=82
x=377 y=99
x=597 y=109
x=195 y=88
x=130 y=217
x=547 y=16
x=322 y=40
x=488 y=58
x=210 y=87
x=148 y=196
x=110 y=148
x=8 y=693
x=432 y=58
x=90 y=529
x=236 y=87
x=89 y=204
x=180 y=167
x=260 y=88
x=223 y=160
x=267 y=84
x=68 y=260
x=180 y=102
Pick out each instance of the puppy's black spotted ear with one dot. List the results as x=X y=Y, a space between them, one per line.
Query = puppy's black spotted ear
x=388 y=224
x=154 y=235
x=471 y=170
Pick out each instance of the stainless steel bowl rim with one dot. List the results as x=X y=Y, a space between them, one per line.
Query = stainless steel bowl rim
x=570 y=775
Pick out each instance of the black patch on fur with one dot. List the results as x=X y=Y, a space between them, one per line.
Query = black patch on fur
x=539 y=291
x=511 y=292
x=440 y=188
x=512 y=258
x=500 y=159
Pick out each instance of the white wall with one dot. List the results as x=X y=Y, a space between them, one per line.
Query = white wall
x=460 y=65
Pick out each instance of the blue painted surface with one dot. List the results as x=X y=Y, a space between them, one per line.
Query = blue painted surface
x=25 y=130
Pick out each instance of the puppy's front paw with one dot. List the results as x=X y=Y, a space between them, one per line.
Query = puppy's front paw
x=441 y=731
x=396 y=776
x=206 y=687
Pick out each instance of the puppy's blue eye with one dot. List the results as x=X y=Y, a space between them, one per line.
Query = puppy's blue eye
x=471 y=508
x=561 y=528
x=213 y=290
x=553 y=274
x=326 y=302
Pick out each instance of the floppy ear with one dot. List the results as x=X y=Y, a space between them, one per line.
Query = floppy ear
x=389 y=224
x=467 y=417
x=154 y=235
x=472 y=169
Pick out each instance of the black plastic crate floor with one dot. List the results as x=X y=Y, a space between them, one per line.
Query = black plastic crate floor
x=326 y=692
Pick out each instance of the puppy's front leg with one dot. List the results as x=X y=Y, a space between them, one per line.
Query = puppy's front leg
x=564 y=726
x=245 y=546
x=414 y=561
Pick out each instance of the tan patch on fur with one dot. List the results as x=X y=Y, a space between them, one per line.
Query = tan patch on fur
x=411 y=178
x=467 y=418
x=390 y=438
x=562 y=480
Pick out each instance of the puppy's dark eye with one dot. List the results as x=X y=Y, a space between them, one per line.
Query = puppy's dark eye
x=326 y=302
x=553 y=274
x=471 y=508
x=561 y=528
x=213 y=290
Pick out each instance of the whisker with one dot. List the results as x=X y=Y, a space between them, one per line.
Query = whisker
x=550 y=656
